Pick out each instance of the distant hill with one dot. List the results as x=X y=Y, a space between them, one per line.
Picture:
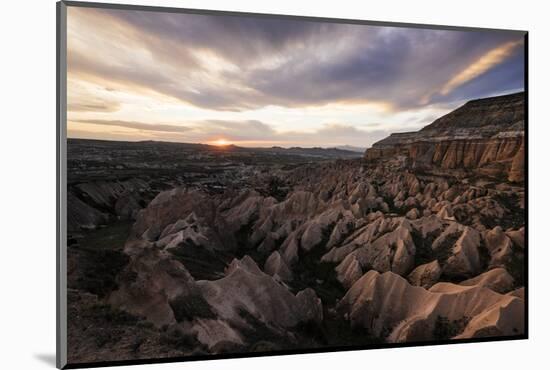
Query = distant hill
x=314 y=152
x=351 y=148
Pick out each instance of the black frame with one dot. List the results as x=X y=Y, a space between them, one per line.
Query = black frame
x=61 y=100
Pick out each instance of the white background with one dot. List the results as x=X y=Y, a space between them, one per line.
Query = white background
x=27 y=196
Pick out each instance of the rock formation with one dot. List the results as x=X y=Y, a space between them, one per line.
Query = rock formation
x=337 y=220
x=484 y=136
x=91 y=204
x=386 y=305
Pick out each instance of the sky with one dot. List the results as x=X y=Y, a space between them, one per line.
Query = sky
x=259 y=82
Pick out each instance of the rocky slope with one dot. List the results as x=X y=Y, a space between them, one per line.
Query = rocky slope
x=396 y=256
x=484 y=136
x=110 y=180
x=91 y=204
x=325 y=254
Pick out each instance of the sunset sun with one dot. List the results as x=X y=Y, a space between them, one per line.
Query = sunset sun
x=220 y=142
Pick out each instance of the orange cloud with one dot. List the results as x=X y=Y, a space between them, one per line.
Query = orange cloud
x=483 y=64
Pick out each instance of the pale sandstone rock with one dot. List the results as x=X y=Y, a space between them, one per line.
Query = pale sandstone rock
x=517 y=236
x=499 y=246
x=159 y=279
x=446 y=213
x=338 y=254
x=312 y=236
x=517 y=170
x=276 y=265
x=413 y=214
x=425 y=275
x=360 y=238
x=428 y=225
x=464 y=260
x=451 y=232
x=342 y=228
x=387 y=303
x=497 y=279
x=519 y=292
x=349 y=271
x=263 y=295
x=393 y=251
x=289 y=249
x=315 y=229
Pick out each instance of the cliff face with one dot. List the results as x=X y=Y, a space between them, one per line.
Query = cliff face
x=484 y=136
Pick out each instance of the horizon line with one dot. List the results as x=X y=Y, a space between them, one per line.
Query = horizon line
x=337 y=147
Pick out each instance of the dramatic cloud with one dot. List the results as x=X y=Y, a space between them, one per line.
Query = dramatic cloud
x=230 y=72
x=84 y=99
x=136 y=125
x=239 y=132
x=480 y=66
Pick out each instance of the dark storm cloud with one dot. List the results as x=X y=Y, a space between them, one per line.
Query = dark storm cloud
x=239 y=39
x=401 y=68
x=295 y=63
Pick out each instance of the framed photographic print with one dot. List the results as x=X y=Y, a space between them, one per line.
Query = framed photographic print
x=235 y=184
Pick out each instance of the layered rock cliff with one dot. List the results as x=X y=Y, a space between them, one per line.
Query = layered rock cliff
x=484 y=136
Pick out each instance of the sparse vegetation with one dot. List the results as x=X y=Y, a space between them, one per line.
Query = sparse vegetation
x=446 y=329
x=190 y=307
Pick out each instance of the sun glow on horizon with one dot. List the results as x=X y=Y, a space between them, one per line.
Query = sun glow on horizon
x=221 y=142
